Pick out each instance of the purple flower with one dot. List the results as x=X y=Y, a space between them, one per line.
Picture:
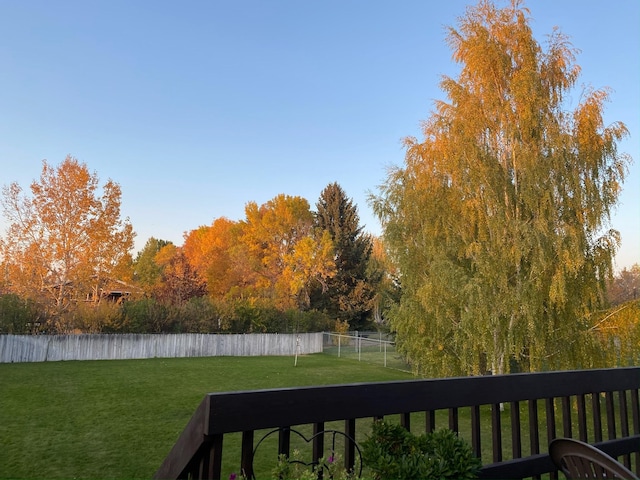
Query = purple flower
x=330 y=459
x=232 y=476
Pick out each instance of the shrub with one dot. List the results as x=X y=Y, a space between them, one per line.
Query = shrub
x=298 y=321
x=17 y=316
x=391 y=452
x=146 y=316
x=198 y=315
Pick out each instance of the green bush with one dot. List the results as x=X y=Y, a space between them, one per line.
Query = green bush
x=146 y=316
x=391 y=452
x=18 y=316
x=197 y=315
x=306 y=321
x=91 y=318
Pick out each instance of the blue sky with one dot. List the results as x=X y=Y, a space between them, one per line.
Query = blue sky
x=197 y=107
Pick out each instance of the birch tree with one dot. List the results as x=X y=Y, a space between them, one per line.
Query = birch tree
x=499 y=219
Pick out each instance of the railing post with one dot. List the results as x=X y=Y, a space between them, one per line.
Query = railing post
x=318 y=441
x=430 y=421
x=453 y=419
x=284 y=441
x=405 y=420
x=349 y=445
x=516 y=432
x=582 y=418
x=597 y=417
x=496 y=432
x=534 y=429
x=476 y=442
x=611 y=415
x=566 y=417
x=210 y=466
x=246 y=461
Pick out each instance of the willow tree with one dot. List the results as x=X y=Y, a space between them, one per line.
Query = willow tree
x=499 y=220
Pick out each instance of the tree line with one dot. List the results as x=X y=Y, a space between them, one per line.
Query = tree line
x=496 y=253
x=283 y=267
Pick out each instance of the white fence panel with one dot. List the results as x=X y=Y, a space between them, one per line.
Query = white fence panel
x=48 y=348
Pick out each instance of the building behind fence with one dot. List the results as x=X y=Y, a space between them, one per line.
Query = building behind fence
x=44 y=348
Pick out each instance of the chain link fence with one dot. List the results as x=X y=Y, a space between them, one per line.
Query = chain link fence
x=370 y=347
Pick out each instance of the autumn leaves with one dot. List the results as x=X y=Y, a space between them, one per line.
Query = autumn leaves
x=67 y=245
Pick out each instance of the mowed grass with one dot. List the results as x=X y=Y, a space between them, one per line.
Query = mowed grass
x=118 y=419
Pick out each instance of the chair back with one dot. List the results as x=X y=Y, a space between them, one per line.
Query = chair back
x=579 y=460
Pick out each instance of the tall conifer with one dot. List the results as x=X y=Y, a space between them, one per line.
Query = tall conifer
x=348 y=295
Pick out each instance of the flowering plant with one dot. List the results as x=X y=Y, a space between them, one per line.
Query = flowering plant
x=293 y=468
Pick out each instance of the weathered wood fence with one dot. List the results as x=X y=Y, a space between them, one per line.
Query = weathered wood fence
x=47 y=348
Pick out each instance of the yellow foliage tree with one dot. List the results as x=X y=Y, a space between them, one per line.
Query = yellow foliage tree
x=618 y=334
x=284 y=253
x=499 y=221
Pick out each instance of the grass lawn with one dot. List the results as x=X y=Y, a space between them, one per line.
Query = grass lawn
x=118 y=419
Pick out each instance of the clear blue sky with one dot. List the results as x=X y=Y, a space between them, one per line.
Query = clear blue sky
x=197 y=107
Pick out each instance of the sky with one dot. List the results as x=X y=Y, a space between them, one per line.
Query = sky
x=197 y=107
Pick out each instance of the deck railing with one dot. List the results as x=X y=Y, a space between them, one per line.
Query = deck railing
x=508 y=419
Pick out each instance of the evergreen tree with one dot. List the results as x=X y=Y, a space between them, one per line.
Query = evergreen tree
x=348 y=296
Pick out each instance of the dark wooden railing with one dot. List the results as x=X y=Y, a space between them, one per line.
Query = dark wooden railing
x=507 y=414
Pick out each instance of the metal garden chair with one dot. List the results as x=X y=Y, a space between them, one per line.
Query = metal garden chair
x=579 y=460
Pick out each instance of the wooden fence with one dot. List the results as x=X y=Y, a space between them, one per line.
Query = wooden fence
x=46 y=348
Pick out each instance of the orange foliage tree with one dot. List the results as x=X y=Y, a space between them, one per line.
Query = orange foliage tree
x=178 y=281
x=65 y=241
x=219 y=258
x=624 y=286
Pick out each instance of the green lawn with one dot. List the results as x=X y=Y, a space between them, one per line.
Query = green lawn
x=118 y=419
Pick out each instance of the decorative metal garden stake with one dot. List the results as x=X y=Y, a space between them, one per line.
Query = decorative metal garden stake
x=295 y=363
